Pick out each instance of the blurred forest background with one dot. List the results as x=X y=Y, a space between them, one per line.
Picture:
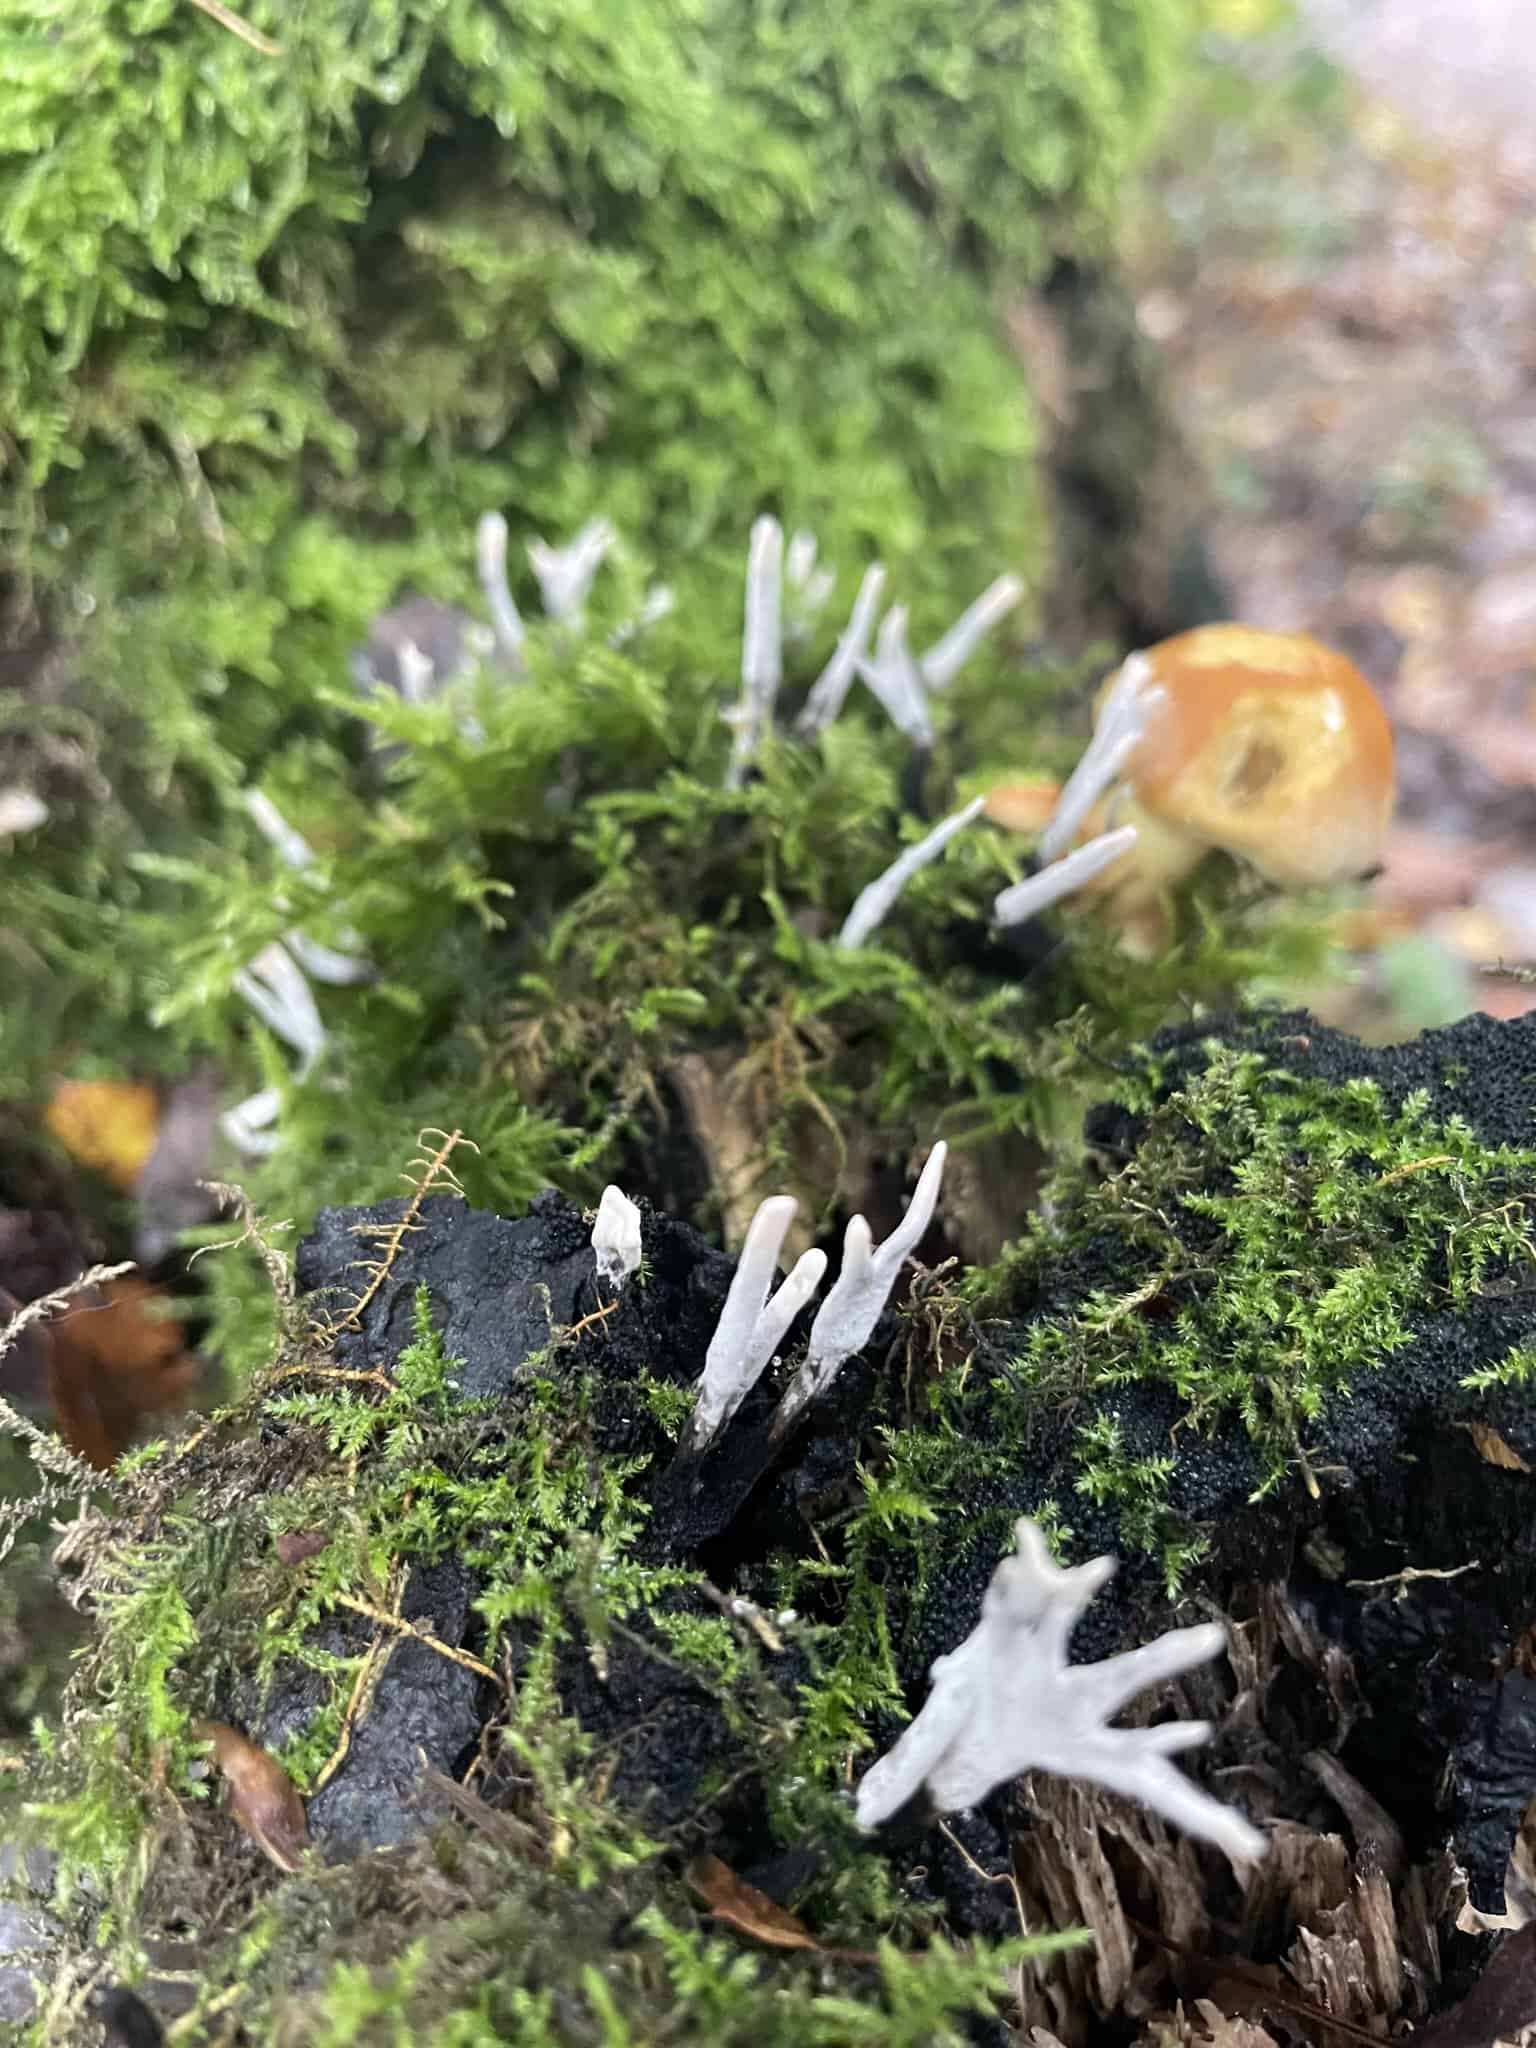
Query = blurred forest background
x=1337 y=259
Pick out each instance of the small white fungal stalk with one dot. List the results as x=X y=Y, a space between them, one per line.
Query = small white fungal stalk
x=1021 y=901
x=274 y=987
x=491 y=567
x=877 y=899
x=616 y=1237
x=1007 y=1701
x=831 y=687
x=341 y=968
x=762 y=649
x=808 y=588
x=751 y=1326
x=948 y=655
x=1132 y=701
x=893 y=675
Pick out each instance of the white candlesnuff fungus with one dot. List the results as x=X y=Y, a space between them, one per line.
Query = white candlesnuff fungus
x=876 y=900
x=896 y=679
x=491 y=566
x=418 y=674
x=751 y=1327
x=616 y=1237
x=276 y=990
x=21 y=810
x=762 y=649
x=1007 y=1701
x=342 y=968
x=846 y=1320
x=1129 y=703
x=248 y=1125
x=274 y=987
x=831 y=687
x=276 y=830
x=564 y=575
x=810 y=589
x=1023 y=900
x=948 y=655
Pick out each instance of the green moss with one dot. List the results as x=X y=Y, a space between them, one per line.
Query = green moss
x=1272 y=1239
x=285 y=327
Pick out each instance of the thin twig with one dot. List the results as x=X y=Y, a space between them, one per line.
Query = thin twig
x=421 y=1635
x=239 y=26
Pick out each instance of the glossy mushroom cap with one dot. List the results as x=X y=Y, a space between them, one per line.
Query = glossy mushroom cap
x=1269 y=745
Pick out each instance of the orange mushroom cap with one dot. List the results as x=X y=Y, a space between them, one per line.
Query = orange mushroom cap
x=1269 y=745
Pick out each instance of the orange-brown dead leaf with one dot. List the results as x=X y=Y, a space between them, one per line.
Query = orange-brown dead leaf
x=751 y=1912
x=262 y=1796
x=109 y=1126
x=1494 y=1450
x=114 y=1360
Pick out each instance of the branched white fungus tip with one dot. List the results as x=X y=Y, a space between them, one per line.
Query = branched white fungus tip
x=616 y=1237
x=1024 y=900
x=751 y=1327
x=274 y=987
x=290 y=843
x=1007 y=1701
x=894 y=677
x=564 y=575
x=876 y=900
x=846 y=1320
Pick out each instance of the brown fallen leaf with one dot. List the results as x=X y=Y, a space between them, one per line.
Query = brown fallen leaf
x=1492 y=1447
x=751 y=1912
x=114 y=1359
x=262 y=1796
x=109 y=1126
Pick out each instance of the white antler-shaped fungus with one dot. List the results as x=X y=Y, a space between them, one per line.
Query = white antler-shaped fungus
x=564 y=575
x=338 y=968
x=846 y=1320
x=616 y=1236
x=896 y=679
x=751 y=1327
x=1007 y=1701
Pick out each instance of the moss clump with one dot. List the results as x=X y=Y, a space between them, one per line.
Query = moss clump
x=284 y=327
